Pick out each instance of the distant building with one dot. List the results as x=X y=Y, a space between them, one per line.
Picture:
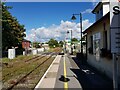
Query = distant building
x=46 y=46
x=26 y=44
x=99 y=41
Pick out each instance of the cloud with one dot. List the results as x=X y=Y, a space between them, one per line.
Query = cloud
x=58 y=32
x=87 y=11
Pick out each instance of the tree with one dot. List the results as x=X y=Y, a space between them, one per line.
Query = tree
x=61 y=43
x=53 y=43
x=36 y=44
x=74 y=40
x=12 y=30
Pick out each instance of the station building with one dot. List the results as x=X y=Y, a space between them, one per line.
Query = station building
x=98 y=38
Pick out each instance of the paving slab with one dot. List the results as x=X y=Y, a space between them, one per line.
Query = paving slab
x=72 y=80
x=49 y=78
x=54 y=68
x=51 y=75
x=48 y=83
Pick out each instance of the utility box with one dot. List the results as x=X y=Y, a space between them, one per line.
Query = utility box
x=34 y=52
x=23 y=52
x=11 y=53
x=40 y=50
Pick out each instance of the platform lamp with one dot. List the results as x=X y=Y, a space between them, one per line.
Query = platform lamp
x=71 y=41
x=74 y=18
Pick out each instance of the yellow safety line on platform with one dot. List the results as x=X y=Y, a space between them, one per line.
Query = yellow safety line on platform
x=65 y=75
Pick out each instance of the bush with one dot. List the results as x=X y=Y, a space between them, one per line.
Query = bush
x=19 y=51
x=4 y=54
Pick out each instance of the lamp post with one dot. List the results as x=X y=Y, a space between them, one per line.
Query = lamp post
x=74 y=18
x=71 y=41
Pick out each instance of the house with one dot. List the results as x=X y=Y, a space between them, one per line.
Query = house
x=99 y=41
x=46 y=46
x=26 y=44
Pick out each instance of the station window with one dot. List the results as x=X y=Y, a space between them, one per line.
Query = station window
x=96 y=43
x=90 y=49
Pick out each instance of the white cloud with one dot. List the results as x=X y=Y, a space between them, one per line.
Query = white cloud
x=58 y=32
x=87 y=11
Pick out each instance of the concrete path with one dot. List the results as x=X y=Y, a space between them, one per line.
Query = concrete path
x=59 y=75
x=66 y=72
x=49 y=78
x=71 y=81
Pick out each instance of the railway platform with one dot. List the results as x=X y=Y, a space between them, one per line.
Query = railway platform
x=66 y=72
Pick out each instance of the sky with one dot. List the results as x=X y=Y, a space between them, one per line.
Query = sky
x=46 y=20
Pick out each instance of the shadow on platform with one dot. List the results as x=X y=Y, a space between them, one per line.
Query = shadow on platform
x=90 y=78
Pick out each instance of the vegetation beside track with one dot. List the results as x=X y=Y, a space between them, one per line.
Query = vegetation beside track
x=32 y=67
x=57 y=49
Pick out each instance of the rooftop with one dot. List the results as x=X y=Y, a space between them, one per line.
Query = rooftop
x=107 y=15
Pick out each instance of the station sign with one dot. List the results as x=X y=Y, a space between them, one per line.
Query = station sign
x=115 y=25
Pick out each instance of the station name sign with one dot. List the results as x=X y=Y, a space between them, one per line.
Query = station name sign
x=116 y=10
x=115 y=26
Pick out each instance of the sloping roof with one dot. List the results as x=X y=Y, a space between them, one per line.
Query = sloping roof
x=97 y=6
x=25 y=40
x=107 y=15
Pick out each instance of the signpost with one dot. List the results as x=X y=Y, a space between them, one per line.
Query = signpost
x=115 y=37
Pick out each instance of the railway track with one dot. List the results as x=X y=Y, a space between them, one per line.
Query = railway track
x=27 y=74
x=32 y=75
x=35 y=57
x=27 y=62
